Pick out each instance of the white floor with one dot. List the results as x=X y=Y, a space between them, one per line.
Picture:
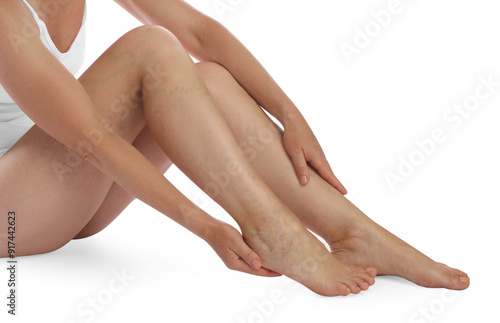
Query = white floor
x=368 y=114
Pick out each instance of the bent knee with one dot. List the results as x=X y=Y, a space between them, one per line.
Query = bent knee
x=149 y=34
x=150 y=39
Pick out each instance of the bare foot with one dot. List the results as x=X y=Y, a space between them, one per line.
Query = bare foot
x=368 y=244
x=287 y=247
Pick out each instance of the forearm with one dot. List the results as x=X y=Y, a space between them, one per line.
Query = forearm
x=139 y=177
x=220 y=46
x=207 y=40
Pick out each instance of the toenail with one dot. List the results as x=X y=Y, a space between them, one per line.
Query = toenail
x=463 y=279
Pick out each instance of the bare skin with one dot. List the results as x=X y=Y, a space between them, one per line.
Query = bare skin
x=352 y=236
x=181 y=116
x=157 y=129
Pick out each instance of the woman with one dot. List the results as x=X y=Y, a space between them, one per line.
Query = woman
x=102 y=140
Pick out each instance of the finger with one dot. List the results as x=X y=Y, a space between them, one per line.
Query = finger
x=338 y=185
x=241 y=265
x=300 y=164
x=243 y=251
x=248 y=261
x=324 y=169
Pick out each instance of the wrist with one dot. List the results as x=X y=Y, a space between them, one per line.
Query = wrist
x=198 y=222
x=290 y=115
x=207 y=230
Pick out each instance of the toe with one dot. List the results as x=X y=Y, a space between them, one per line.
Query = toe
x=450 y=278
x=362 y=284
x=351 y=283
x=459 y=280
x=353 y=286
x=343 y=289
x=371 y=271
x=463 y=282
x=368 y=279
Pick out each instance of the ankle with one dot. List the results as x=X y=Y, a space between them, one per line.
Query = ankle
x=349 y=232
x=274 y=224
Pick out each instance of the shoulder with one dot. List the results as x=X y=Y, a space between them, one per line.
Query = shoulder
x=12 y=11
x=17 y=27
x=20 y=45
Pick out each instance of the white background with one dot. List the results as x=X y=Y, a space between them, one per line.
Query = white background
x=365 y=113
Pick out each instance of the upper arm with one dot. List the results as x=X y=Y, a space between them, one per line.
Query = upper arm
x=39 y=84
x=184 y=21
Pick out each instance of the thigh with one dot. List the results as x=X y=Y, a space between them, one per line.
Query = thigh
x=227 y=94
x=117 y=199
x=53 y=192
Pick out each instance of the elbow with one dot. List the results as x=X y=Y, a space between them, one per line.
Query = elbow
x=80 y=150
x=89 y=145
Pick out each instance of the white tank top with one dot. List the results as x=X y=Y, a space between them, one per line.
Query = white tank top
x=14 y=123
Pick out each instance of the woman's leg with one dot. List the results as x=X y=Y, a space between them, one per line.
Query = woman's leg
x=178 y=110
x=117 y=199
x=53 y=191
x=189 y=128
x=354 y=238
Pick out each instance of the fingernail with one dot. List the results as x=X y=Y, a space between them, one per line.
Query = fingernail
x=255 y=264
x=303 y=180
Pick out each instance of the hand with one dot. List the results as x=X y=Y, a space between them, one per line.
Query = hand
x=235 y=253
x=303 y=147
